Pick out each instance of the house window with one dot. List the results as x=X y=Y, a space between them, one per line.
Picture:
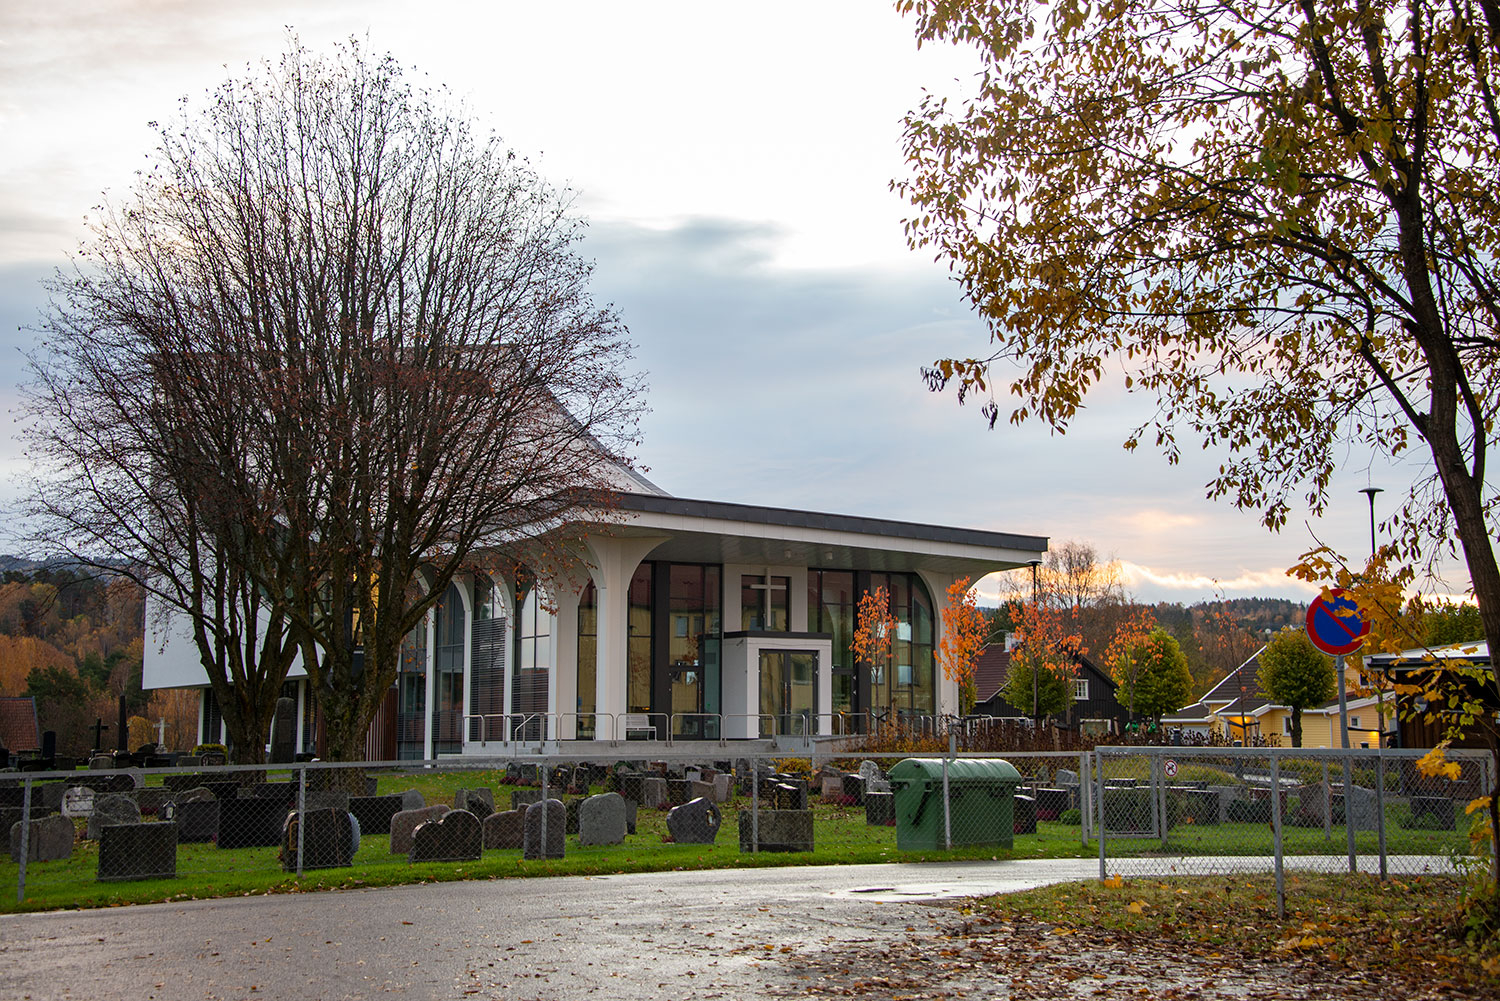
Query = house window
x=1354 y=723
x=1286 y=724
x=1080 y=689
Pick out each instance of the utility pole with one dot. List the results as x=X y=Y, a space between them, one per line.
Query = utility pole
x=1036 y=706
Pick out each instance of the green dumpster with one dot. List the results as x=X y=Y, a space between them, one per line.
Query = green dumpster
x=981 y=794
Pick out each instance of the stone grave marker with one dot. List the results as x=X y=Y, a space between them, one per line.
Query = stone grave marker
x=1050 y=803
x=557 y=819
x=137 y=851
x=456 y=836
x=677 y=791
x=328 y=842
x=251 y=823
x=630 y=785
x=1024 y=814
x=880 y=809
x=101 y=762
x=284 y=732
x=326 y=799
x=520 y=799
x=572 y=807
x=407 y=821
x=411 y=800
x=854 y=788
x=653 y=792
x=151 y=799
x=779 y=831
x=723 y=787
x=49 y=840
x=479 y=802
x=78 y=802
x=602 y=820
x=112 y=808
x=197 y=820
x=374 y=813
x=698 y=789
x=505 y=830
x=695 y=822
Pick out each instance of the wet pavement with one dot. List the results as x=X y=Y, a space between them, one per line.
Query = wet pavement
x=707 y=934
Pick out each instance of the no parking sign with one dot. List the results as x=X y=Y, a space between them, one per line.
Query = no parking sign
x=1171 y=768
x=1335 y=625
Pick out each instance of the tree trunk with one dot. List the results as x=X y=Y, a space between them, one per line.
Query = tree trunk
x=1296 y=726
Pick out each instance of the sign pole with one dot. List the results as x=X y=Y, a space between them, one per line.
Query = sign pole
x=1338 y=663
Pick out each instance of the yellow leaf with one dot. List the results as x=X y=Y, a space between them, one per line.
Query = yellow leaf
x=1137 y=907
x=1114 y=882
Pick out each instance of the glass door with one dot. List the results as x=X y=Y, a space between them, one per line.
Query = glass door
x=788 y=692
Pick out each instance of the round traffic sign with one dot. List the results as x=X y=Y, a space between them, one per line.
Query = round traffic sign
x=1335 y=625
x=1171 y=769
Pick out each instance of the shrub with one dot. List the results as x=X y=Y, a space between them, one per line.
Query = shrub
x=1073 y=817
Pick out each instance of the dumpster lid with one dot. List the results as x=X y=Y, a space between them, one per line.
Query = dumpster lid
x=959 y=769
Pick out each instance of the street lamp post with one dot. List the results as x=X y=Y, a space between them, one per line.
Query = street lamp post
x=1370 y=492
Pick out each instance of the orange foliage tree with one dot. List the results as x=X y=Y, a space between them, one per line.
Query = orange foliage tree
x=964 y=634
x=1125 y=654
x=1044 y=661
x=874 y=631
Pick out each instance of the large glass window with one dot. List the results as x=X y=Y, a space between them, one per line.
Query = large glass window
x=448 y=695
x=907 y=685
x=487 y=670
x=638 y=644
x=693 y=649
x=411 y=694
x=532 y=663
x=831 y=609
x=765 y=603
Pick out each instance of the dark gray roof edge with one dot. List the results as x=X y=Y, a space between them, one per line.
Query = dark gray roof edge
x=758 y=515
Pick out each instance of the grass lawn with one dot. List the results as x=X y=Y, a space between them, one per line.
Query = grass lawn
x=840 y=834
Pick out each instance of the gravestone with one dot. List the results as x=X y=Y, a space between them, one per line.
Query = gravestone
x=833 y=788
x=479 y=802
x=250 y=823
x=723 y=787
x=520 y=799
x=1067 y=777
x=101 y=762
x=779 y=831
x=194 y=794
x=197 y=819
x=653 y=792
x=571 y=807
x=49 y=840
x=411 y=800
x=1050 y=803
x=677 y=791
x=406 y=822
x=1433 y=813
x=630 y=785
x=1199 y=807
x=137 y=851
x=557 y=819
x=326 y=799
x=112 y=808
x=529 y=775
x=631 y=808
x=284 y=732
x=151 y=799
x=456 y=836
x=505 y=830
x=695 y=822
x=854 y=789
x=213 y=759
x=880 y=809
x=78 y=802
x=329 y=840
x=601 y=820
x=283 y=792
x=512 y=773
x=374 y=813
x=1361 y=808
x=1024 y=813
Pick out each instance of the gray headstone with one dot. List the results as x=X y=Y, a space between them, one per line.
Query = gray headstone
x=777 y=830
x=411 y=800
x=1361 y=808
x=327 y=799
x=151 y=799
x=480 y=802
x=653 y=791
x=49 y=840
x=406 y=822
x=197 y=794
x=534 y=846
x=723 y=787
x=505 y=830
x=112 y=808
x=101 y=762
x=456 y=836
x=870 y=770
x=1065 y=777
x=880 y=809
x=698 y=789
x=137 y=851
x=601 y=820
x=520 y=799
x=197 y=819
x=78 y=802
x=695 y=822
x=284 y=732
x=253 y=822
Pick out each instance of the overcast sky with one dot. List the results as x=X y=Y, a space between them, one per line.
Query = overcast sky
x=734 y=164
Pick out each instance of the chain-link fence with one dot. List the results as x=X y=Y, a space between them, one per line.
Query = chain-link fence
x=81 y=837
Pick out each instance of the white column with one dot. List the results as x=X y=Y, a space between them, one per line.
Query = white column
x=429 y=624
x=613 y=563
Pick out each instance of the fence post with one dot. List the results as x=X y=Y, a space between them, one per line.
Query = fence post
x=1327 y=804
x=25 y=841
x=1099 y=798
x=1276 y=832
x=543 y=850
x=1349 y=814
x=755 y=805
x=301 y=816
x=1084 y=797
x=1380 y=807
x=947 y=812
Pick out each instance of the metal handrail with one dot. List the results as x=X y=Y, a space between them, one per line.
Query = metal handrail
x=624 y=720
x=672 y=724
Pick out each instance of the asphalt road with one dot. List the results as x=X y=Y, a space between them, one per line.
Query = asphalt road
x=704 y=935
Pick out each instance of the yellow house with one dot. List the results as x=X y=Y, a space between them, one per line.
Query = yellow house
x=1238 y=710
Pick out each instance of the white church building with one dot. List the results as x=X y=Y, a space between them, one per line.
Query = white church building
x=695 y=621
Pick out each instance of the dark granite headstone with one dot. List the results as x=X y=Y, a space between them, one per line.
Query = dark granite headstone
x=695 y=822
x=406 y=822
x=1050 y=803
x=1024 y=814
x=677 y=791
x=284 y=732
x=251 y=823
x=880 y=809
x=534 y=846
x=456 y=836
x=197 y=819
x=630 y=785
x=520 y=799
x=854 y=788
x=328 y=841
x=779 y=831
x=505 y=830
x=374 y=813
x=325 y=799
x=137 y=851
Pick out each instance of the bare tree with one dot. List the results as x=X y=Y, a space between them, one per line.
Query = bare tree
x=392 y=308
